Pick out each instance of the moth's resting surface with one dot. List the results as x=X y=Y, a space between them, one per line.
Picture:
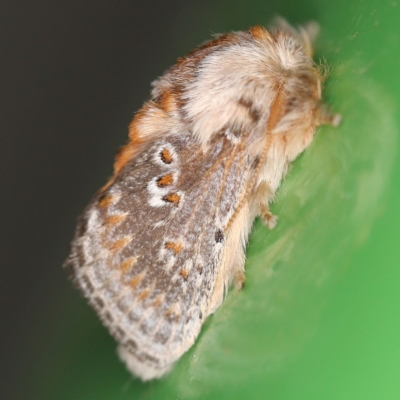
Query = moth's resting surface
x=159 y=245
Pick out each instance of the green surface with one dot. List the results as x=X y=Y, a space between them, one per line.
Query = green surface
x=319 y=316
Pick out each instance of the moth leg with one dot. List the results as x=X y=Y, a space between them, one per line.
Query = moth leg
x=239 y=280
x=325 y=116
x=263 y=192
x=268 y=218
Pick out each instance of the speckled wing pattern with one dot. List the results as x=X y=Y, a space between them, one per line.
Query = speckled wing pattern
x=147 y=249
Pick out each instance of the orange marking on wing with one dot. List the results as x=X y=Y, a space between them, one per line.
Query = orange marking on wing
x=136 y=280
x=119 y=244
x=107 y=185
x=166 y=156
x=157 y=301
x=175 y=246
x=144 y=294
x=170 y=311
x=126 y=265
x=106 y=201
x=123 y=156
x=114 y=219
x=126 y=153
x=165 y=180
x=184 y=274
x=172 y=198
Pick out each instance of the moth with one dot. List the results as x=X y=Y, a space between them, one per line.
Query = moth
x=161 y=243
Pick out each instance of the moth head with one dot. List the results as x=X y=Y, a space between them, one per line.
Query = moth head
x=297 y=108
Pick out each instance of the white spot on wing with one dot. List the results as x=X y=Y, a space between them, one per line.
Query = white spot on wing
x=156 y=201
x=157 y=193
